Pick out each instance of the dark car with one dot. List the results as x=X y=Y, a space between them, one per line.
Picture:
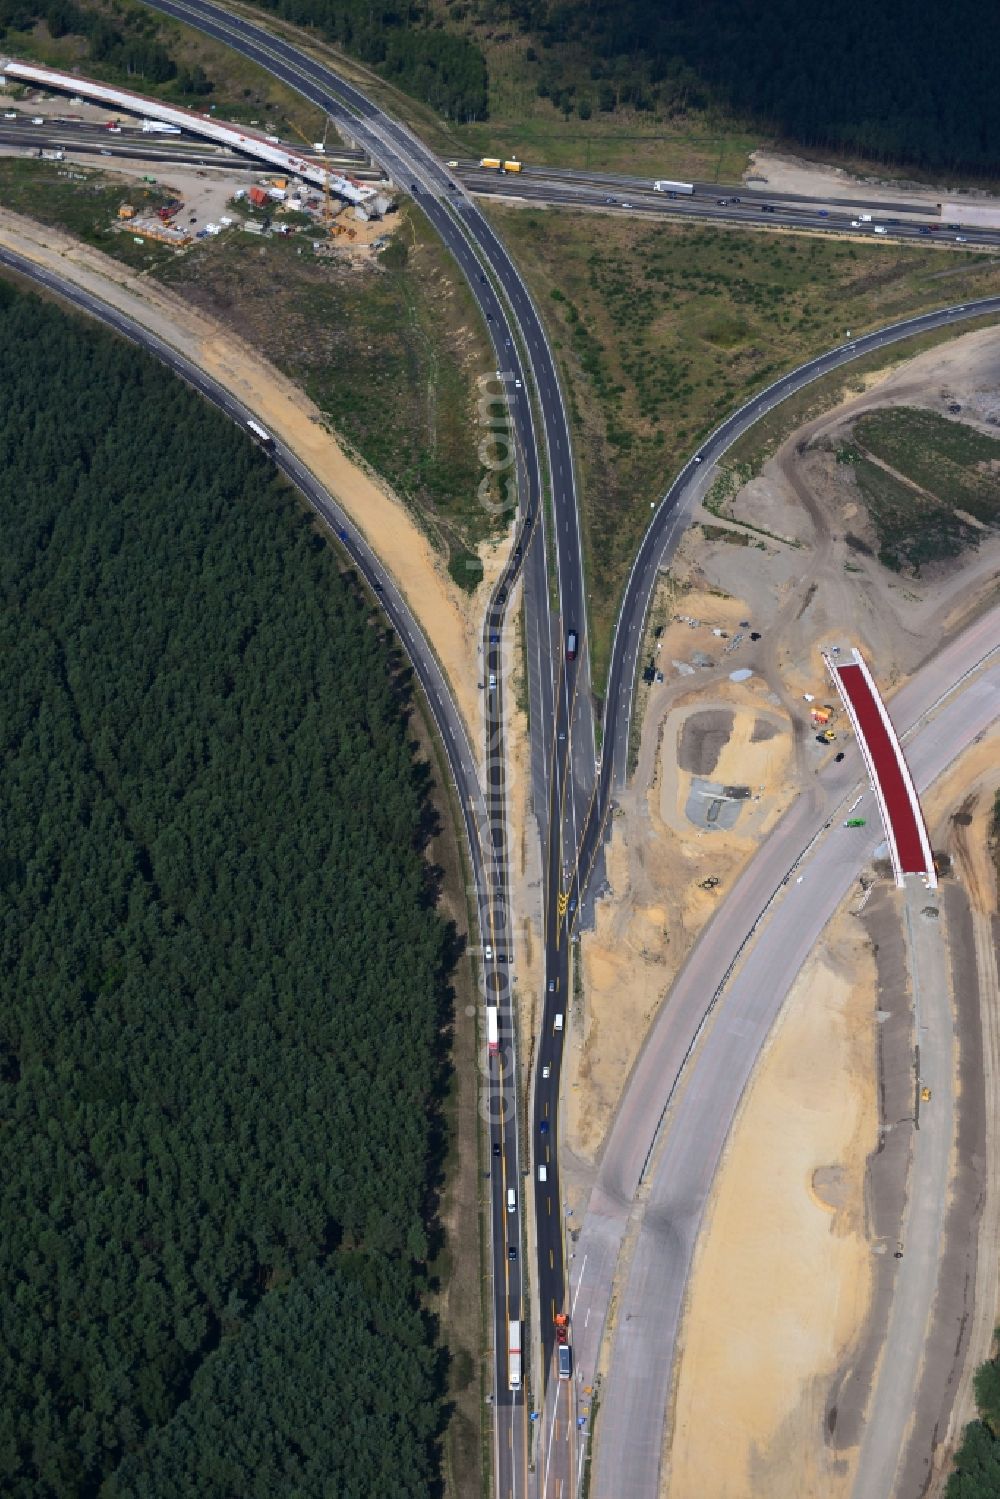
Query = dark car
x=512 y=1251
x=496 y=1147
x=543 y=1127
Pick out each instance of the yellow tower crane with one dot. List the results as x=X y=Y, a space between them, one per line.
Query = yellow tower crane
x=328 y=223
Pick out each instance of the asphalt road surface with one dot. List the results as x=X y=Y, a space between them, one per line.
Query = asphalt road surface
x=893 y=1400
x=575 y=817
x=521 y=345
x=818 y=859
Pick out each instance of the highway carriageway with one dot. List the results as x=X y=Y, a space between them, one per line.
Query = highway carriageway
x=751 y=213
x=909 y=846
x=131 y=140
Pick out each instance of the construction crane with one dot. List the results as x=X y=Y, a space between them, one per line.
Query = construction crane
x=327 y=206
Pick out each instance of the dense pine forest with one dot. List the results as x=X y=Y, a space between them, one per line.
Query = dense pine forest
x=408 y=44
x=905 y=81
x=224 y=994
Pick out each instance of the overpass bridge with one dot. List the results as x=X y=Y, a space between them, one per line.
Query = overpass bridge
x=237 y=137
x=905 y=830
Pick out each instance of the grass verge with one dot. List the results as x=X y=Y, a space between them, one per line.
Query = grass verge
x=389 y=355
x=84 y=203
x=929 y=484
x=460 y=1269
x=660 y=330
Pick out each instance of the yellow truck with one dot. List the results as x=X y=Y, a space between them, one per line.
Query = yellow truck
x=512 y=166
x=491 y=163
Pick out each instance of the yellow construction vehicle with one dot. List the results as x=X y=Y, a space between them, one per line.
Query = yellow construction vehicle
x=925 y=1095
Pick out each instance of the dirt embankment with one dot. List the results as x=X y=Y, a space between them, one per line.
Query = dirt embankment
x=450 y=619
x=811 y=179
x=793 y=565
x=783 y=569
x=762 y=1340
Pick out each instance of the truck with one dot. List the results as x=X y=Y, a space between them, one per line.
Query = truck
x=675 y=189
x=159 y=127
x=562 y=1327
x=492 y=1030
x=514 y=1355
x=491 y=163
x=564 y=1356
x=262 y=435
x=52 y=155
x=864 y=218
x=511 y=166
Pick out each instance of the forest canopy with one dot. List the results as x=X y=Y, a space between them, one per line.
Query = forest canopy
x=224 y=996
x=906 y=81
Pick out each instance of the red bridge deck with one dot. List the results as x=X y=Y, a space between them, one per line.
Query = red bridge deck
x=904 y=822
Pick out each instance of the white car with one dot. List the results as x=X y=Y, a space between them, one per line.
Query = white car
x=488 y=953
x=10 y=114
x=546 y=1070
x=517 y=384
x=493 y=680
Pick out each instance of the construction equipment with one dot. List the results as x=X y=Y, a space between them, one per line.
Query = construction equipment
x=827 y=736
x=925 y=1095
x=327 y=214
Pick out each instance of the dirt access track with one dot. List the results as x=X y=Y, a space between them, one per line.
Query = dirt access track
x=450 y=619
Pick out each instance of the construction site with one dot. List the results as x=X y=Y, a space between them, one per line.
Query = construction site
x=333 y=196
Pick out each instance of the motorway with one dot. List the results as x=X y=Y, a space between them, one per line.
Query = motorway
x=755 y=209
x=132 y=143
x=522 y=351
x=575 y=810
x=563 y=188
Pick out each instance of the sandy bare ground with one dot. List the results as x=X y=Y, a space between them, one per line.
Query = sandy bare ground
x=658 y=861
x=788 y=1218
x=781 y=1291
x=450 y=619
x=792 y=174
x=801 y=586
